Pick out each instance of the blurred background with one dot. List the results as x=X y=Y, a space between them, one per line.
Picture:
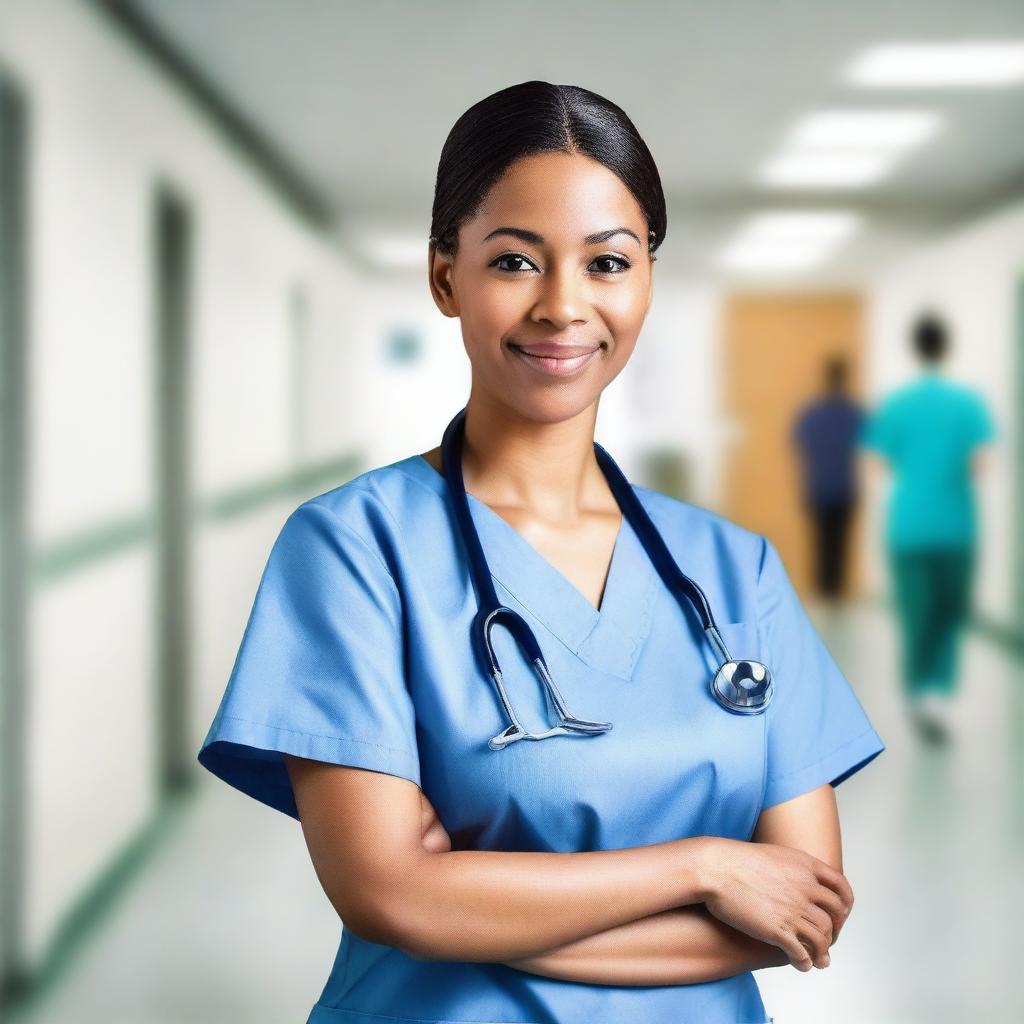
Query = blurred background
x=213 y=305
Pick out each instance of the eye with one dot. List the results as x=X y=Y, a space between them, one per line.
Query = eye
x=509 y=256
x=619 y=261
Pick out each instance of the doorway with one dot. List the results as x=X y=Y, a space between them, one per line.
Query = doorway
x=776 y=348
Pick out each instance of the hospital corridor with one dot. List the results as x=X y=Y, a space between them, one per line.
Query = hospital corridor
x=218 y=228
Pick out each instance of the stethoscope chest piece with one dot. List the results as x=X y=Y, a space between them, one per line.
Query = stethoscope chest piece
x=744 y=687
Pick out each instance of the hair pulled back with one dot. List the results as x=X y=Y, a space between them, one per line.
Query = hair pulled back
x=538 y=117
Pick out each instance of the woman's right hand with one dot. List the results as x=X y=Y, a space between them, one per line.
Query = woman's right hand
x=780 y=895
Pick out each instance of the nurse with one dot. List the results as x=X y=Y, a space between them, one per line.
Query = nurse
x=636 y=874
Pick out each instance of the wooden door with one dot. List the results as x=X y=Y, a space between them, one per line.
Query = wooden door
x=776 y=348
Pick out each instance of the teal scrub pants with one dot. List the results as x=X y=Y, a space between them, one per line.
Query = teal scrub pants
x=932 y=590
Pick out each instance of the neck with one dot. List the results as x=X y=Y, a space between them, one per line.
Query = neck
x=548 y=468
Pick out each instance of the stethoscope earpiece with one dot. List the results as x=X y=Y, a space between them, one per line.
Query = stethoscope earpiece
x=741 y=686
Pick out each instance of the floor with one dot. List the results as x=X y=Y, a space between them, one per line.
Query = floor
x=228 y=924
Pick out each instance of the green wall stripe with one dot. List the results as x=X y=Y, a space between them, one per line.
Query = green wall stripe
x=299 y=482
x=96 y=904
x=80 y=550
x=63 y=557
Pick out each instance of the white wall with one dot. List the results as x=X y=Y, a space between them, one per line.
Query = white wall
x=105 y=124
x=973 y=276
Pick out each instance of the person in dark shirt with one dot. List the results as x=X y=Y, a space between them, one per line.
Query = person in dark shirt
x=826 y=434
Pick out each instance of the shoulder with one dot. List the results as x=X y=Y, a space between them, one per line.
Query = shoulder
x=726 y=559
x=900 y=396
x=370 y=509
x=696 y=522
x=968 y=396
x=956 y=396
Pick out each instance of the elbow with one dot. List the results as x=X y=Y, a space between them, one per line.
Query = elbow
x=370 y=926
x=396 y=915
x=378 y=922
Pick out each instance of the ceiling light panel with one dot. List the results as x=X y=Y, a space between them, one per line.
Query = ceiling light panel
x=822 y=226
x=939 y=65
x=864 y=129
x=825 y=169
x=770 y=256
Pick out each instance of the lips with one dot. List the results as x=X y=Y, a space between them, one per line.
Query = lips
x=554 y=359
x=555 y=349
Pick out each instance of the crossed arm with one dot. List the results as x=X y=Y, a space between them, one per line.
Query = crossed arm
x=385 y=862
x=686 y=945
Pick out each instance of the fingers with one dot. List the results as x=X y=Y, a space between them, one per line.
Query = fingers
x=836 y=881
x=815 y=932
x=836 y=895
x=831 y=903
x=796 y=951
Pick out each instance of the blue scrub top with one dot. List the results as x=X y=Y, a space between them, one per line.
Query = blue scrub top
x=358 y=652
x=928 y=430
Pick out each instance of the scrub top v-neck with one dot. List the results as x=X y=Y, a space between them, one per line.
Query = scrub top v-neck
x=358 y=651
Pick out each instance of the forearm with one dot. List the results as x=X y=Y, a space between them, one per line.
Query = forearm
x=493 y=906
x=682 y=946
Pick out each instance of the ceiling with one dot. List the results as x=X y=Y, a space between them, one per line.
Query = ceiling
x=359 y=96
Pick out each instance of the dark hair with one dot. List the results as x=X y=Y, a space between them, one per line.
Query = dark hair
x=835 y=372
x=931 y=337
x=538 y=117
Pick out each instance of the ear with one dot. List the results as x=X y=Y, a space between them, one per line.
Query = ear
x=439 y=275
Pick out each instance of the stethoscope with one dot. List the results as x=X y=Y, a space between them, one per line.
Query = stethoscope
x=741 y=686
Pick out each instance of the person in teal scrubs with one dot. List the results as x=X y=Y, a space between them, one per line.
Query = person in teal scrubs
x=929 y=432
x=358 y=657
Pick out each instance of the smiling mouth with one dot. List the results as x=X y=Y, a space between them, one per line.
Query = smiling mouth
x=555 y=366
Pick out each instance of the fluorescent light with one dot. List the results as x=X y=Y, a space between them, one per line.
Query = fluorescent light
x=819 y=226
x=938 y=64
x=786 y=240
x=864 y=129
x=825 y=169
x=769 y=256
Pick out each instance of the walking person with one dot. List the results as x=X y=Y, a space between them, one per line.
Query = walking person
x=929 y=432
x=826 y=434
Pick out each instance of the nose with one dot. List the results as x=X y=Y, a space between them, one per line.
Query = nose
x=563 y=298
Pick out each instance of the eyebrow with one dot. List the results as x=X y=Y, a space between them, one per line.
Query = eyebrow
x=535 y=239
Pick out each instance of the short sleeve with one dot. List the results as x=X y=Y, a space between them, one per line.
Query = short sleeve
x=320 y=669
x=817 y=731
x=981 y=429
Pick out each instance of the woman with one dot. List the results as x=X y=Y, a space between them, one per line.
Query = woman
x=637 y=875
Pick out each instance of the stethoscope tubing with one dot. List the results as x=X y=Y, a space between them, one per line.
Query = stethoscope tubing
x=726 y=687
